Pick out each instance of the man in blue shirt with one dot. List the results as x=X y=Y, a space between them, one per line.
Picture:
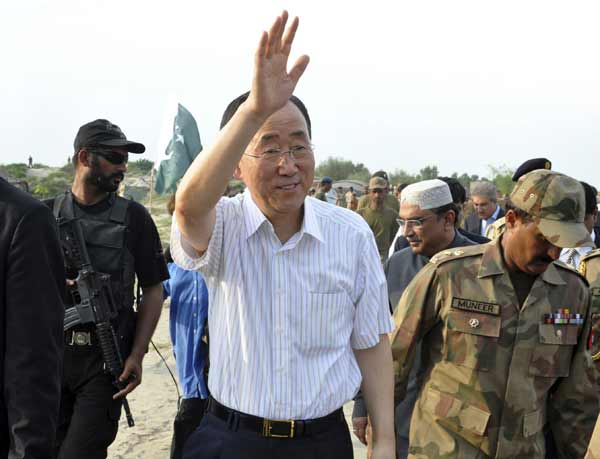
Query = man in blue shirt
x=187 y=321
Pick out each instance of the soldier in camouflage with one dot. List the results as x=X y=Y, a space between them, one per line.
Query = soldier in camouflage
x=590 y=268
x=495 y=229
x=505 y=334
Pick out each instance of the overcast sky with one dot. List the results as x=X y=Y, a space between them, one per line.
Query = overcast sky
x=398 y=84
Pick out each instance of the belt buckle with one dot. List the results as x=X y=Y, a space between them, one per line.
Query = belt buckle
x=80 y=338
x=268 y=429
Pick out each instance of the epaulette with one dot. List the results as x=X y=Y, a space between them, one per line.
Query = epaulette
x=456 y=253
x=566 y=267
x=584 y=260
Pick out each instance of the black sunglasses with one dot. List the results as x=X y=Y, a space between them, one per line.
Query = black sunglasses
x=113 y=157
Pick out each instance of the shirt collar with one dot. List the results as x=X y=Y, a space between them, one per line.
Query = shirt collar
x=310 y=224
x=254 y=218
x=493 y=264
x=494 y=216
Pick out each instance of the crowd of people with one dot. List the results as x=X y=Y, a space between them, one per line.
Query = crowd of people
x=456 y=336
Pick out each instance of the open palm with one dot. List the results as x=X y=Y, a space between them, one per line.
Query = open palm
x=273 y=85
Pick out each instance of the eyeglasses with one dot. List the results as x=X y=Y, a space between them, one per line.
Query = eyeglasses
x=414 y=222
x=113 y=157
x=298 y=153
x=377 y=190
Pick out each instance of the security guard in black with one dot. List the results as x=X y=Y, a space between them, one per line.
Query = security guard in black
x=122 y=241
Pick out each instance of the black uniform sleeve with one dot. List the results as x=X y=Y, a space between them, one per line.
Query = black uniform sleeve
x=35 y=285
x=150 y=264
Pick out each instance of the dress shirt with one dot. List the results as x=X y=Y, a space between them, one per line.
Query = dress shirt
x=285 y=318
x=577 y=254
x=485 y=222
x=187 y=318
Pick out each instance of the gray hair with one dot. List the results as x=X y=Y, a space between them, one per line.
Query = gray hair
x=484 y=189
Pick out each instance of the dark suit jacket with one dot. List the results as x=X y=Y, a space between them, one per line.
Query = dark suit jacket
x=402 y=242
x=472 y=223
x=32 y=280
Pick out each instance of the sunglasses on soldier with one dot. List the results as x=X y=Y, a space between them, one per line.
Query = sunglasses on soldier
x=113 y=157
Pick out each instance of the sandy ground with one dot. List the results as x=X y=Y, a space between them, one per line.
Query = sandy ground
x=154 y=404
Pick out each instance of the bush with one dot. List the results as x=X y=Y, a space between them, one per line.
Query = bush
x=54 y=184
x=16 y=171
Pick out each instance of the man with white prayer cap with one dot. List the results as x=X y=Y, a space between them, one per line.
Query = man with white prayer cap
x=427 y=217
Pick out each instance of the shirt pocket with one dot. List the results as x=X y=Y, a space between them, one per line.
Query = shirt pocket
x=551 y=356
x=456 y=415
x=472 y=339
x=328 y=320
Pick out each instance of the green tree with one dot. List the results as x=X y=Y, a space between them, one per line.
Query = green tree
x=502 y=178
x=401 y=176
x=341 y=169
x=428 y=173
x=466 y=179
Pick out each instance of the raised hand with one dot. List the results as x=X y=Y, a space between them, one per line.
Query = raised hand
x=273 y=85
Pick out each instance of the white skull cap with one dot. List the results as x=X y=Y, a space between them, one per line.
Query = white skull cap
x=428 y=194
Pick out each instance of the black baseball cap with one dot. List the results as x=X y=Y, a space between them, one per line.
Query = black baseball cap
x=103 y=133
x=531 y=165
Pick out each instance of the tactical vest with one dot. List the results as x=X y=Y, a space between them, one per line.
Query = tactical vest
x=105 y=235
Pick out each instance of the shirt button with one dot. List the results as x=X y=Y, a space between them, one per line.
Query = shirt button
x=559 y=332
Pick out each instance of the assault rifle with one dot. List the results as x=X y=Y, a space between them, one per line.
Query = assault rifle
x=93 y=301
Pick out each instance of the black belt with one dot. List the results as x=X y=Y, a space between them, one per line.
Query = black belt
x=271 y=428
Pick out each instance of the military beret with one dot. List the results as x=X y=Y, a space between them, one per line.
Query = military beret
x=531 y=165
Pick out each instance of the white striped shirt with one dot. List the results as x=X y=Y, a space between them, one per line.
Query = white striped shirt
x=284 y=319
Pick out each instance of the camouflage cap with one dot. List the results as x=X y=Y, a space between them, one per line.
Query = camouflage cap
x=557 y=204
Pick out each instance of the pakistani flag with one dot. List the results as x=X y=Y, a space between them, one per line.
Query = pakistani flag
x=183 y=147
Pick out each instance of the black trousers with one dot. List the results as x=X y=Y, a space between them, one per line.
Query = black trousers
x=213 y=439
x=189 y=415
x=89 y=417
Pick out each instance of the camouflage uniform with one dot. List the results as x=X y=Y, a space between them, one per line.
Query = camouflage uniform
x=495 y=229
x=491 y=365
x=384 y=226
x=390 y=202
x=590 y=268
x=497 y=373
